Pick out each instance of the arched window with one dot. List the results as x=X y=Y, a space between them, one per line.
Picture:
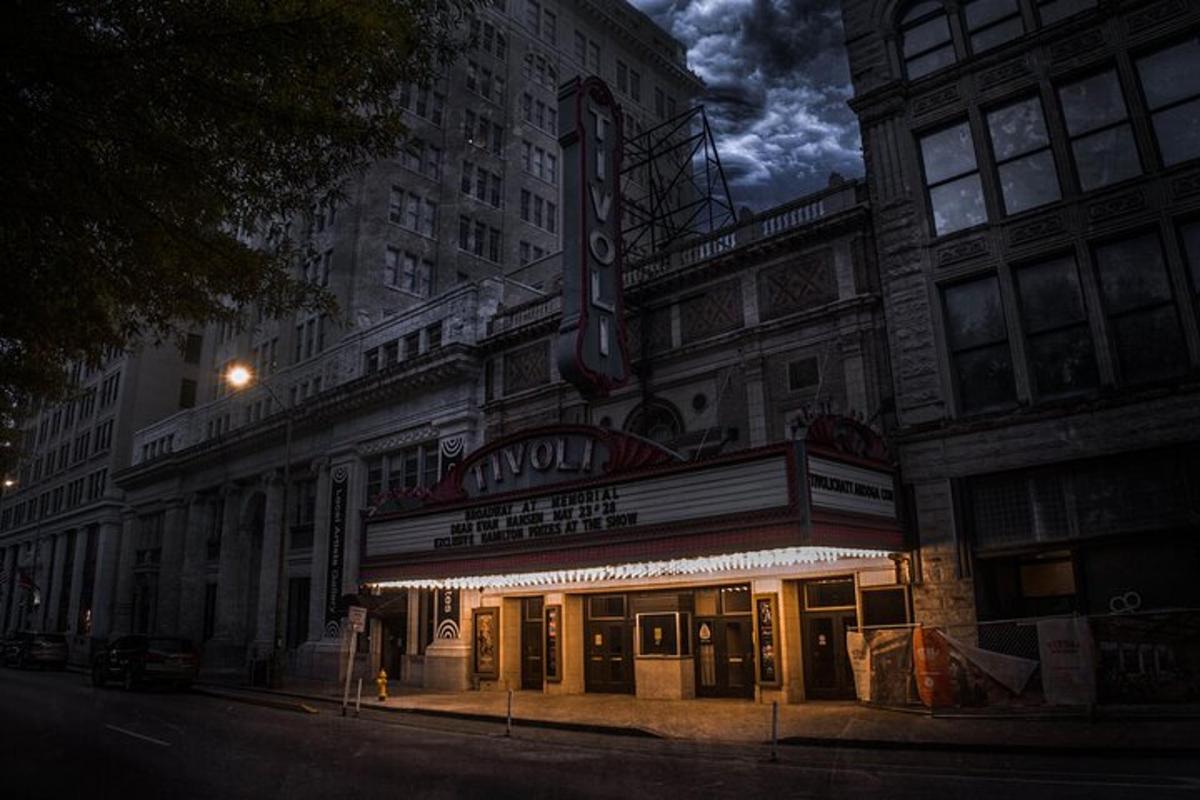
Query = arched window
x=926 y=42
x=657 y=420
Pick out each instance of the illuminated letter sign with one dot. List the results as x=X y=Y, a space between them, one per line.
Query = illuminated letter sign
x=591 y=340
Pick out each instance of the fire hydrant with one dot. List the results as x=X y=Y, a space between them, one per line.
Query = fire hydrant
x=381 y=682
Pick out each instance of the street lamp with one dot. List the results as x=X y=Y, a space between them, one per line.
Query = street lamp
x=239 y=376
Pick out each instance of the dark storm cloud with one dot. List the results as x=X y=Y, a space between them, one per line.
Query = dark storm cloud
x=777 y=82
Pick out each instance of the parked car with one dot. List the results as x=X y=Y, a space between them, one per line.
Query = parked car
x=28 y=649
x=139 y=660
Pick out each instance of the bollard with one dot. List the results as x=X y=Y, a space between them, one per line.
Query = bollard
x=508 y=726
x=358 y=699
x=774 y=730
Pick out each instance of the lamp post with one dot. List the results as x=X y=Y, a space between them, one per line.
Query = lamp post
x=239 y=376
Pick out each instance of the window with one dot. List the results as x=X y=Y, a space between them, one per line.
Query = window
x=992 y=22
x=803 y=374
x=409 y=272
x=1101 y=137
x=594 y=57
x=1052 y=11
x=403 y=469
x=192 y=347
x=187 y=393
x=479 y=239
x=660 y=102
x=1143 y=323
x=622 y=76
x=1023 y=158
x=549 y=26
x=1171 y=82
x=1058 y=339
x=580 y=47
x=413 y=212
x=635 y=85
x=1191 y=250
x=978 y=342
x=955 y=194
x=927 y=44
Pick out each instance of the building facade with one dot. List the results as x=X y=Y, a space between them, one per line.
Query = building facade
x=1035 y=183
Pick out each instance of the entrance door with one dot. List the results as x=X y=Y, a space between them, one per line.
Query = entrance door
x=608 y=646
x=531 y=643
x=724 y=656
x=827 y=673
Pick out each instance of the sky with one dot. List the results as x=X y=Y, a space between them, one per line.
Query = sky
x=777 y=85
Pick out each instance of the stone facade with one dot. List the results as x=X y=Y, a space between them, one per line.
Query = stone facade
x=929 y=260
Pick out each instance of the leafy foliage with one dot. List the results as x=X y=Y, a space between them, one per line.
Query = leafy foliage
x=141 y=135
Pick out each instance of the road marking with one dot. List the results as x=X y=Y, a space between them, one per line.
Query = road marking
x=150 y=739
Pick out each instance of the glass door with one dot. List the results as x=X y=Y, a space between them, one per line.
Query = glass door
x=531 y=643
x=608 y=646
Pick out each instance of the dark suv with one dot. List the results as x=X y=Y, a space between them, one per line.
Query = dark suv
x=28 y=649
x=137 y=660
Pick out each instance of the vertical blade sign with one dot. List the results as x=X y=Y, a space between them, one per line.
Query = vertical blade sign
x=591 y=350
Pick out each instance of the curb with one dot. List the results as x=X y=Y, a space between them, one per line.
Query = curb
x=249 y=699
x=1107 y=751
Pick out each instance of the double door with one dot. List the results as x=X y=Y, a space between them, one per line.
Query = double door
x=608 y=653
x=827 y=672
x=724 y=656
x=532 y=655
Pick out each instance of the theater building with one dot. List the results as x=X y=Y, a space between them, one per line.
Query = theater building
x=710 y=529
x=1034 y=176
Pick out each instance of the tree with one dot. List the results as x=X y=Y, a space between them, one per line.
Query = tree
x=141 y=135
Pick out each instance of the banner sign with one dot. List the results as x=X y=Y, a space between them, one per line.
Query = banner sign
x=1068 y=661
x=591 y=351
x=446 y=619
x=338 y=497
x=720 y=490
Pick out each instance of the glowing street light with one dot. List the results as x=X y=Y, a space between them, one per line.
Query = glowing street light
x=238 y=376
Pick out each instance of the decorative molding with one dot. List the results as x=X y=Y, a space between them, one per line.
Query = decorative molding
x=399 y=440
x=527 y=367
x=962 y=251
x=1017 y=68
x=942 y=97
x=1115 y=206
x=1036 y=229
x=1186 y=185
x=1077 y=46
x=1155 y=14
x=804 y=282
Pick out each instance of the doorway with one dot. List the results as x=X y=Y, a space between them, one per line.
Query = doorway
x=531 y=643
x=724 y=639
x=608 y=645
x=829 y=612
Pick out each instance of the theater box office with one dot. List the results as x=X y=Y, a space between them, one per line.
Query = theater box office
x=582 y=559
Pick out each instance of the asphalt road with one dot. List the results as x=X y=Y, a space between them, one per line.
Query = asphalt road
x=61 y=738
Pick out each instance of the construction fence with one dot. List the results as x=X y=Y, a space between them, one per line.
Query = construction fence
x=1065 y=661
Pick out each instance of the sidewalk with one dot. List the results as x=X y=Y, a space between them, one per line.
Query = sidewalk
x=841 y=724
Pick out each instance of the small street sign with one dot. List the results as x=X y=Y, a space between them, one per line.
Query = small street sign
x=358 y=618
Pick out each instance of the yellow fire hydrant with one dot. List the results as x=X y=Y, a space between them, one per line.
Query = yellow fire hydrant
x=381 y=682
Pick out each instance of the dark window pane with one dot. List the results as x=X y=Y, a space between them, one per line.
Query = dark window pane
x=1149 y=344
x=948 y=153
x=1191 y=246
x=997 y=35
x=982 y=12
x=974 y=315
x=1172 y=74
x=931 y=61
x=985 y=377
x=957 y=205
x=1017 y=129
x=1132 y=274
x=1106 y=157
x=1063 y=361
x=1178 y=133
x=1092 y=103
x=921 y=9
x=920 y=38
x=1055 y=10
x=1050 y=296
x=1029 y=182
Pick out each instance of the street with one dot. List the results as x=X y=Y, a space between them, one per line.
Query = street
x=62 y=738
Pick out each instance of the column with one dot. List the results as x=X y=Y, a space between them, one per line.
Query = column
x=43 y=579
x=191 y=577
x=320 y=551
x=77 y=565
x=756 y=410
x=230 y=614
x=855 y=376
x=57 y=578
x=104 y=592
x=123 y=600
x=171 y=567
x=354 y=529
x=7 y=590
x=268 y=577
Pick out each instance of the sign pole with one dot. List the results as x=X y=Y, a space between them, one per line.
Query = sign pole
x=349 y=670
